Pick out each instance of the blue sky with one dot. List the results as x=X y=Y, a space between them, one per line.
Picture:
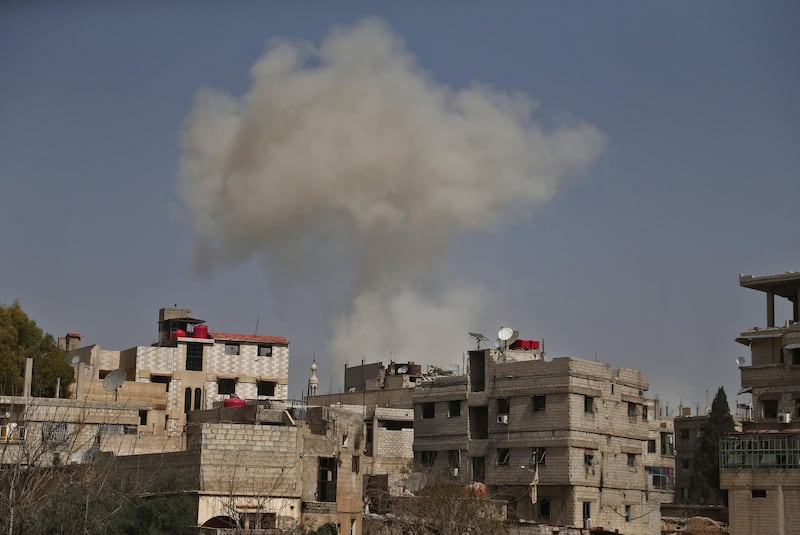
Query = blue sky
x=635 y=260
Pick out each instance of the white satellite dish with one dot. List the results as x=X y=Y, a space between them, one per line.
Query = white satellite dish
x=505 y=333
x=76 y=359
x=740 y=361
x=113 y=381
x=401 y=369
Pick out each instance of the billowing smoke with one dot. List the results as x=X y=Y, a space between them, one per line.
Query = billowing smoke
x=350 y=171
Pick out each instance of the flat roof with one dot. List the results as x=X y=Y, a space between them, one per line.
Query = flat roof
x=784 y=284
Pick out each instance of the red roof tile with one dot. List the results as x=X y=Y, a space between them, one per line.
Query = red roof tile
x=235 y=337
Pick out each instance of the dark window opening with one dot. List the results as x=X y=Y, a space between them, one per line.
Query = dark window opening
x=758 y=493
x=453 y=458
x=503 y=405
x=198 y=398
x=454 y=409
x=356 y=464
x=797 y=408
x=477 y=373
x=539 y=403
x=796 y=356
x=194 y=357
x=428 y=410
x=142 y=417
x=503 y=456
x=538 y=456
x=226 y=386
x=631 y=409
x=427 y=458
x=651 y=445
x=478 y=468
x=588 y=459
x=326 y=479
x=628 y=513
x=479 y=422
x=395 y=425
x=103 y=373
x=266 y=388
x=644 y=412
x=770 y=408
x=161 y=379
x=631 y=459
x=187 y=399
x=264 y=350
x=667 y=446
x=588 y=404
x=587 y=510
x=231 y=349
x=544 y=508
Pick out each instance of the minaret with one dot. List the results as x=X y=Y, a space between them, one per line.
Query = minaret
x=313 y=382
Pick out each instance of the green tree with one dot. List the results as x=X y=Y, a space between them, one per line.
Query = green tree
x=707 y=455
x=21 y=338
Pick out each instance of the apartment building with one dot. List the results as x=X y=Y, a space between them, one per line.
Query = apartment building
x=760 y=466
x=197 y=367
x=565 y=442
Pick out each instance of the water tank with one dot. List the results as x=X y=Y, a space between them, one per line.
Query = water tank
x=234 y=402
x=201 y=331
x=178 y=333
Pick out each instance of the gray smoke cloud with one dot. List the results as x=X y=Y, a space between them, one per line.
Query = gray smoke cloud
x=349 y=170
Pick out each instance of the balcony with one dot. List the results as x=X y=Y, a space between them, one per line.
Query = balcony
x=770 y=375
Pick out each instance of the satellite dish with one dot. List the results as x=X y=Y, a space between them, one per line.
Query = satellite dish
x=505 y=333
x=740 y=361
x=76 y=359
x=114 y=380
x=402 y=369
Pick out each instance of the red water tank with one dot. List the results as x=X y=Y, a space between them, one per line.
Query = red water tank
x=234 y=402
x=178 y=333
x=201 y=331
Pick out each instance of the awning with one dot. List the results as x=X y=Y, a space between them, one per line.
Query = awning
x=795 y=345
x=747 y=390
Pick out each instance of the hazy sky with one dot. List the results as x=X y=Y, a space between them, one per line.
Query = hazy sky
x=677 y=170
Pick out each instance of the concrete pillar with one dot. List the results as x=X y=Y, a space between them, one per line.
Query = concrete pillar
x=28 y=376
x=797 y=306
x=770 y=309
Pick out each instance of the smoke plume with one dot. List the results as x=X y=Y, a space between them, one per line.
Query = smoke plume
x=349 y=170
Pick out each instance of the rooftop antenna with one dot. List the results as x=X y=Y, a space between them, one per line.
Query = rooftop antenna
x=740 y=361
x=256 y=331
x=478 y=337
x=113 y=381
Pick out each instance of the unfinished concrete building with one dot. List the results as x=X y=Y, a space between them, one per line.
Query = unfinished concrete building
x=760 y=466
x=566 y=442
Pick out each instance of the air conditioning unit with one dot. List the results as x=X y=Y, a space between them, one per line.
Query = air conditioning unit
x=785 y=418
x=502 y=419
x=454 y=471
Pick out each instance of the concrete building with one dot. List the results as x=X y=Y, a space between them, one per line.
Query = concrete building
x=760 y=466
x=197 y=367
x=576 y=437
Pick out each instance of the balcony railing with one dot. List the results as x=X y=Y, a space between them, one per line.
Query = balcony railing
x=760 y=452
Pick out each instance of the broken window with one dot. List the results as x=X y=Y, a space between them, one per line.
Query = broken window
x=454 y=408
x=326 y=479
x=539 y=403
x=428 y=410
x=588 y=404
x=503 y=456
x=538 y=456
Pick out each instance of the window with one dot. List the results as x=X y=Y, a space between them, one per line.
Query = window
x=478 y=468
x=231 y=349
x=266 y=388
x=161 y=379
x=651 y=445
x=588 y=458
x=356 y=466
x=539 y=403
x=428 y=410
x=587 y=510
x=588 y=404
x=797 y=407
x=503 y=405
x=796 y=356
x=667 y=444
x=198 y=398
x=454 y=458
x=503 y=456
x=264 y=350
x=226 y=386
x=454 y=409
x=194 y=357
x=544 y=508
x=538 y=456
x=628 y=513
x=345 y=441
x=631 y=459
x=769 y=408
x=758 y=493
x=187 y=399
x=644 y=412
x=631 y=409
x=660 y=477
x=54 y=432
x=427 y=458
x=142 y=417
